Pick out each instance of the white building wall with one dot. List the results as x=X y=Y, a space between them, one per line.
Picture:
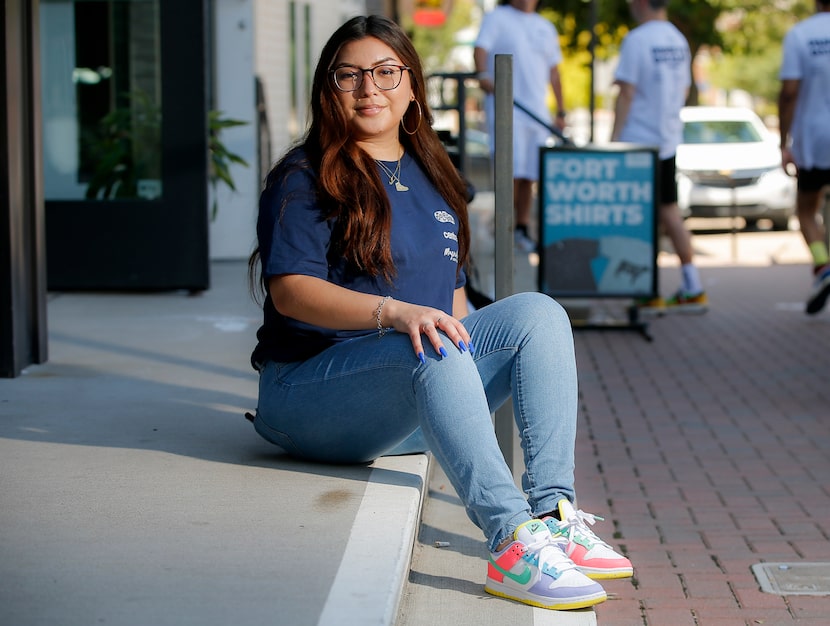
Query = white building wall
x=252 y=39
x=272 y=57
x=232 y=231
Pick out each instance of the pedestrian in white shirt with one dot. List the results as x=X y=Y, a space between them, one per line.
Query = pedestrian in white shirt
x=653 y=76
x=516 y=29
x=804 y=122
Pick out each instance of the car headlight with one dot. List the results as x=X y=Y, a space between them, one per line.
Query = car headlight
x=776 y=183
x=773 y=172
x=684 y=178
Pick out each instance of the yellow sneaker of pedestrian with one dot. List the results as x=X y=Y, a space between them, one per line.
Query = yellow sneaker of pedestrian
x=651 y=306
x=683 y=302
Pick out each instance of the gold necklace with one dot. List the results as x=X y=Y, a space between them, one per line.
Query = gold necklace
x=394 y=177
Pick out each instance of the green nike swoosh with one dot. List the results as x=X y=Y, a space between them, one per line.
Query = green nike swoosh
x=522 y=578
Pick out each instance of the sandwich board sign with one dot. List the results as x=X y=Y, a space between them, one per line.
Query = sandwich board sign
x=598 y=221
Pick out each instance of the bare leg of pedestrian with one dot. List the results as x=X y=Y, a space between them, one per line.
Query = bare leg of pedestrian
x=522 y=204
x=813 y=231
x=691 y=298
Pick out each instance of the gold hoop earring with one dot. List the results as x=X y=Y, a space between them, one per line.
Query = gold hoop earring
x=420 y=119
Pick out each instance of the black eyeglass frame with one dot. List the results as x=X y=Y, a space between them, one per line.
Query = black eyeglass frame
x=371 y=70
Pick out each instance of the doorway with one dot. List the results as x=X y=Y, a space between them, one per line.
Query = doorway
x=125 y=129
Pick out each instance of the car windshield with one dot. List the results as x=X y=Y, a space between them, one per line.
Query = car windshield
x=720 y=131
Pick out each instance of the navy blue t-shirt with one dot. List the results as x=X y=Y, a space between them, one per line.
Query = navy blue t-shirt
x=295 y=238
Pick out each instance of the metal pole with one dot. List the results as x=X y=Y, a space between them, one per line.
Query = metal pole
x=503 y=182
x=592 y=47
x=733 y=212
x=462 y=122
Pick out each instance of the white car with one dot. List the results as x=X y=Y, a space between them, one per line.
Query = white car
x=730 y=164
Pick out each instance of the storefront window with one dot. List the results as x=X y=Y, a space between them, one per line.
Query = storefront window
x=101 y=98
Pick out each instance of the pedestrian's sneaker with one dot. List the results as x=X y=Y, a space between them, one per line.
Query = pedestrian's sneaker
x=535 y=570
x=683 y=302
x=523 y=243
x=594 y=558
x=652 y=306
x=820 y=292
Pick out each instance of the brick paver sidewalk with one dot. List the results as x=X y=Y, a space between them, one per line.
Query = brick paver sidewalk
x=709 y=448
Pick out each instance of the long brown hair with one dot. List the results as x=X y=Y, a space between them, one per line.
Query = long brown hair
x=349 y=185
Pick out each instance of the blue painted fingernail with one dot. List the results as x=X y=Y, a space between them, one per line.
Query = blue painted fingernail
x=422 y=358
x=443 y=351
x=462 y=346
x=472 y=348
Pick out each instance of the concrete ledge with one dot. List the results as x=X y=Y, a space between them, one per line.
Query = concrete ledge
x=134 y=492
x=370 y=580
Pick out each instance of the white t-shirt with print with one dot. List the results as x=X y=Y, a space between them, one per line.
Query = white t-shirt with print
x=806 y=58
x=655 y=58
x=534 y=44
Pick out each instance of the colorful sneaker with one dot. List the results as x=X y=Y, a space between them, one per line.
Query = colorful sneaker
x=534 y=569
x=683 y=302
x=594 y=558
x=820 y=292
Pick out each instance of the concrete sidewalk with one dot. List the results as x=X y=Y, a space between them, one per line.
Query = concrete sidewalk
x=133 y=491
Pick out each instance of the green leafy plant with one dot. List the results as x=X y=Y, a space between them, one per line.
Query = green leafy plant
x=220 y=157
x=124 y=148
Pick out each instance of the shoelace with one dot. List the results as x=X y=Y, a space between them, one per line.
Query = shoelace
x=549 y=554
x=582 y=521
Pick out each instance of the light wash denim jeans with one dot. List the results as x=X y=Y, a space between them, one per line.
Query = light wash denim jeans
x=371 y=396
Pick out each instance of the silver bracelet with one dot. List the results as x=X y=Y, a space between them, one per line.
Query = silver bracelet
x=381 y=330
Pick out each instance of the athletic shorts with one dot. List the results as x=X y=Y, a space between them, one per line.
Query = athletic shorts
x=813 y=180
x=668 y=185
x=528 y=137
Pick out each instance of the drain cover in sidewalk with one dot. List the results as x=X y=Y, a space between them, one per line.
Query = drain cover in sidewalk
x=794 y=579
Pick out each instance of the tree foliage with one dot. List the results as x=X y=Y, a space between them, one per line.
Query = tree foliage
x=742 y=38
x=435 y=44
x=744 y=35
x=752 y=32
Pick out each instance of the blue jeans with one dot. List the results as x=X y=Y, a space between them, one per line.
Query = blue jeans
x=371 y=396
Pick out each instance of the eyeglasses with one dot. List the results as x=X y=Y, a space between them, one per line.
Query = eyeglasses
x=385 y=77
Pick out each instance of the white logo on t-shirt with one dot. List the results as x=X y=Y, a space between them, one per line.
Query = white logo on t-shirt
x=444 y=217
